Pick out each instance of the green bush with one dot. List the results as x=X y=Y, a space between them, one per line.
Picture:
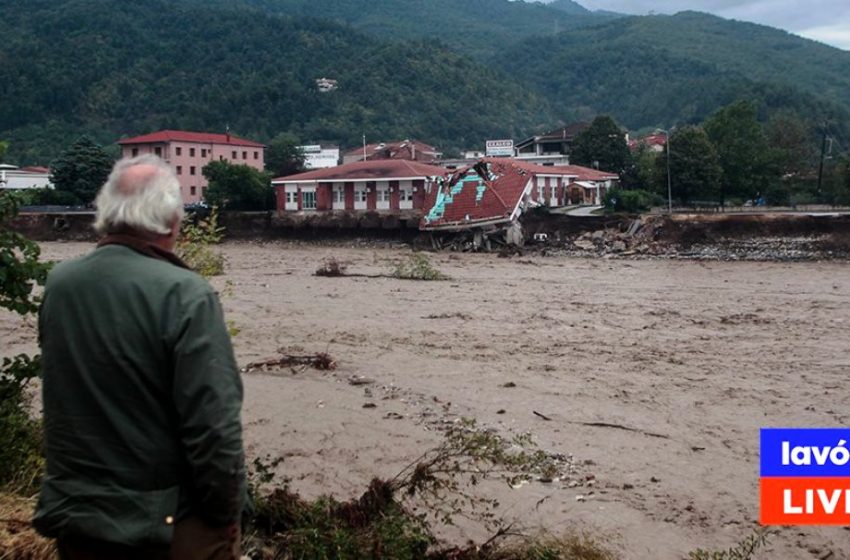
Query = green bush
x=197 y=236
x=21 y=460
x=49 y=197
x=637 y=200
x=417 y=267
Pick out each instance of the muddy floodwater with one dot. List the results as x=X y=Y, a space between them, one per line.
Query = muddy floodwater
x=655 y=375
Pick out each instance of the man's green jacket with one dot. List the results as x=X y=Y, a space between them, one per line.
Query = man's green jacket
x=142 y=400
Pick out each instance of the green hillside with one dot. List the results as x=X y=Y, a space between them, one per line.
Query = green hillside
x=112 y=68
x=661 y=70
x=480 y=28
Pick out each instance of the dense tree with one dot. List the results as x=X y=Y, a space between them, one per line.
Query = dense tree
x=695 y=170
x=602 y=145
x=386 y=90
x=81 y=170
x=837 y=183
x=749 y=163
x=283 y=155
x=640 y=172
x=237 y=187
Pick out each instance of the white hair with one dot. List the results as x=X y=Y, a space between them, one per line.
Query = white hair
x=148 y=200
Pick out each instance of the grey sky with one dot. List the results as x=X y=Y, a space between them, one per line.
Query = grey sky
x=827 y=21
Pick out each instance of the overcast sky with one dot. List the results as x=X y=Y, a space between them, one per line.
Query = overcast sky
x=827 y=21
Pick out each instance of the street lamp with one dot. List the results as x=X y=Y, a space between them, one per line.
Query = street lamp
x=669 y=184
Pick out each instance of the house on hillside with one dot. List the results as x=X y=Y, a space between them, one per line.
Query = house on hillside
x=551 y=147
x=388 y=185
x=652 y=142
x=189 y=152
x=14 y=177
x=410 y=150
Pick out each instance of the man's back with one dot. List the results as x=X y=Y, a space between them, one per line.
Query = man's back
x=141 y=398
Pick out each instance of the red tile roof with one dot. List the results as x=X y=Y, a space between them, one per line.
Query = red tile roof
x=460 y=203
x=406 y=149
x=185 y=136
x=35 y=169
x=577 y=172
x=648 y=141
x=384 y=169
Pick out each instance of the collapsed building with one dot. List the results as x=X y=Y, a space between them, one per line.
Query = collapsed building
x=486 y=200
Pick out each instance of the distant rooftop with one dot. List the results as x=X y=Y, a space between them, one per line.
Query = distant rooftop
x=186 y=136
x=367 y=171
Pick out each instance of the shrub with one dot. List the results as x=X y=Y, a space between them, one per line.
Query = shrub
x=621 y=200
x=331 y=267
x=21 y=461
x=417 y=267
x=197 y=236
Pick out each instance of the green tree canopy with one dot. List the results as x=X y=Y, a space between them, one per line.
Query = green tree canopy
x=749 y=163
x=81 y=170
x=602 y=144
x=283 y=156
x=694 y=167
x=237 y=187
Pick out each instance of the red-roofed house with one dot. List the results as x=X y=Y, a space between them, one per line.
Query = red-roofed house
x=411 y=150
x=189 y=152
x=388 y=185
x=653 y=142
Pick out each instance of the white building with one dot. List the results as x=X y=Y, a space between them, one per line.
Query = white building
x=320 y=156
x=13 y=177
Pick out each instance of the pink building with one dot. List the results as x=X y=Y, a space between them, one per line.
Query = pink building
x=189 y=152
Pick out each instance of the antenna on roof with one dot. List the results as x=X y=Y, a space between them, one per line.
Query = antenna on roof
x=364 y=147
x=227 y=131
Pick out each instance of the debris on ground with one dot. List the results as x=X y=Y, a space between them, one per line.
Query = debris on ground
x=320 y=361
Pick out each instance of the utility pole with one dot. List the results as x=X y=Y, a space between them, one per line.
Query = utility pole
x=364 y=147
x=822 y=155
x=669 y=183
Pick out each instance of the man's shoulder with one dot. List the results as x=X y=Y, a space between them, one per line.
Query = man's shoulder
x=117 y=261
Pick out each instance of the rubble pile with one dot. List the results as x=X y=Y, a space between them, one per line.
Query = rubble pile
x=653 y=237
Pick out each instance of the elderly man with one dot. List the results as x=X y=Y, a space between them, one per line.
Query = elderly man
x=142 y=395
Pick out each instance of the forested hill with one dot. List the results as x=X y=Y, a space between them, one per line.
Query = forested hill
x=661 y=70
x=479 y=28
x=112 y=68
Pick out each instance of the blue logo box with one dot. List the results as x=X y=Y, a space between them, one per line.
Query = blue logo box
x=805 y=452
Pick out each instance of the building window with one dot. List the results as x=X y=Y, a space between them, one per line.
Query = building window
x=233 y=154
x=244 y=155
x=384 y=195
x=178 y=150
x=308 y=200
x=135 y=152
x=339 y=195
x=191 y=152
x=158 y=151
x=203 y=152
x=406 y=194
x=290 y=197
x=193 y=190
x=180 y=170
x=256 y=155
x=360 y=195
x=192 y=170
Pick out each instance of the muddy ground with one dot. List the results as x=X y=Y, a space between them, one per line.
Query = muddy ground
x=691 y=357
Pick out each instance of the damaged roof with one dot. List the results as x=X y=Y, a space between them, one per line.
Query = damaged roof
x=489 y=192
x=412 y=150
x=384 y=169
